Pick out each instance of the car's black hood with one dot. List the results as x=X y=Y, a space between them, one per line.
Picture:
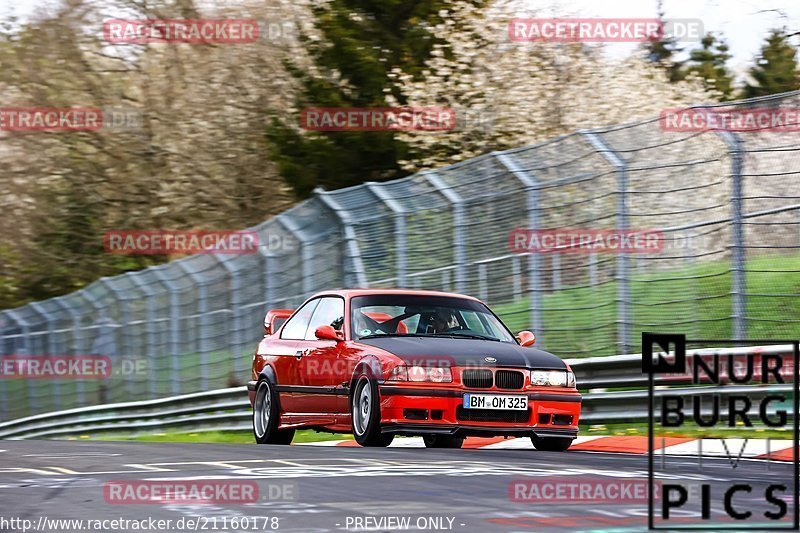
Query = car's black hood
x=466 y=352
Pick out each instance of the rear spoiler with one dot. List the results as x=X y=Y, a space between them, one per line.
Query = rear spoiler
x=275 y=319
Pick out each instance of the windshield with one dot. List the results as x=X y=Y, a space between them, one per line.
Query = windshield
x=416 y=315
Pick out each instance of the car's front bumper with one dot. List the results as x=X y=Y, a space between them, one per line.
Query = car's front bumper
x=414 y=411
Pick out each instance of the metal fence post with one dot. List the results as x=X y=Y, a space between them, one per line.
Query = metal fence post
x=305 y=252
x=151 y=332
x=175 y=329
x=622 y=276
x=93 y=329
x=350 y=238
x=121 y=332
x=33 y=402
x=735 y=146
x=3 y=354
x=458 y=227
x=51 y=346
x=269 y=283
x=534 y=260
x=516 y=282
x=399 y=230
x=483 y=292
x=202 y=319
x=235 y=340
x=80 y=388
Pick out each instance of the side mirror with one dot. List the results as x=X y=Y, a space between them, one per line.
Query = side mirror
x=275 y=319
x=526 y=338
x=327 y=333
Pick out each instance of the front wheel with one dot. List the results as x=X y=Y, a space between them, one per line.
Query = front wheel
x=551 y=444
x=266 y=416
x=442 y=441
x=366 y=413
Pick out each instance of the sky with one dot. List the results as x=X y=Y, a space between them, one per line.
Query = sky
x=745 y=23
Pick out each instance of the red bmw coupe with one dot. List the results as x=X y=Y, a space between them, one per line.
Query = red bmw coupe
x=380 y=363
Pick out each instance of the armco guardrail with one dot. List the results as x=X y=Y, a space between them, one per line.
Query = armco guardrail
x=220 y=409
x=229 y=409
x=626 y=370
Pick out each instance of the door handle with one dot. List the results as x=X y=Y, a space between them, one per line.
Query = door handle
x=300 y=353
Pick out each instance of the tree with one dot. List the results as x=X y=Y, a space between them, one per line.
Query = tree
x=358 y=44
x=709 y=64
x=195 y=159
x=509 y=94
x=663 y=50
x=776 y=69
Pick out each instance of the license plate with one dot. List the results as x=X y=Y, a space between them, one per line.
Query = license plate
x=495 y=401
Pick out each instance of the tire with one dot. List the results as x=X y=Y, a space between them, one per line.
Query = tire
x=551 y=444
x=442 y=441
x=266 y=416
x=366 y=414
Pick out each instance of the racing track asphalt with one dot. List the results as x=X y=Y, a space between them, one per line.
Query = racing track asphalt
x=326 y=488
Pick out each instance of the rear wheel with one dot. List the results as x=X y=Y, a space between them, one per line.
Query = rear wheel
x=442 y=441
x=266 y=416
x=366 y=413
x=551 y=444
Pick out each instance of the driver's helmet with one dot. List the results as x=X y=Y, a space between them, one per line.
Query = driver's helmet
x=444 y=320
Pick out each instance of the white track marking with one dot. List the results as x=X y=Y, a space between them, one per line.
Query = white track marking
x=62 y=470
x=320 y=443
x=67 y=455
x=29 y=470
x=408 y=442
x=416 y=442
x=149 y=468
x=509 y=444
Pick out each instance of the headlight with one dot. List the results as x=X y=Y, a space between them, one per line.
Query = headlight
x=539 y=377
x=439 y=375
x=433 y=374
x=553 y=378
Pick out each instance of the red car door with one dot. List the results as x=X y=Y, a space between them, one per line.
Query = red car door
x=321 y=366
x=285 y=352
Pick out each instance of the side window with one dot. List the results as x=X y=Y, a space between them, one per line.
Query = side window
x=297 y=325
x=330 y=311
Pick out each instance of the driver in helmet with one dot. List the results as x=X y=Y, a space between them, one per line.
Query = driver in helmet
x=444 y=320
